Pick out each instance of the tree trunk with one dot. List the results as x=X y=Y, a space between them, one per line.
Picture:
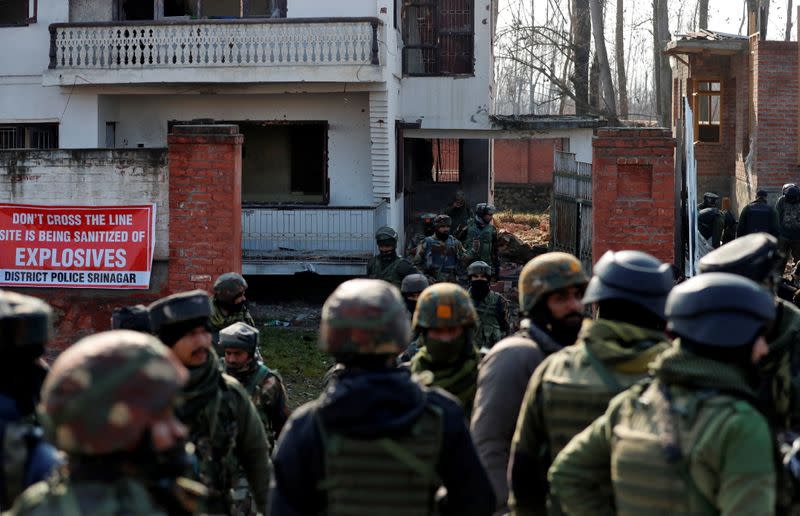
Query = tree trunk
x=594 y=86
x=608 y=103
x=581 y=45
x=702 y=7
x=663 y=71
x=789 y=14
x=764 y=19
x=622 y=77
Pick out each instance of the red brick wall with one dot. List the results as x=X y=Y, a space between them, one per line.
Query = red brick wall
x=525 y=161
x=633 y=192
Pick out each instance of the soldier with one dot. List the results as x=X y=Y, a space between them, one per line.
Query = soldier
x=492 y=308
x=134 y=318
x=416 y=233
x=688 y=441
x=459 y=213
x=375 y=442
x=108 y=402
x=758 y=216
x=223 y=423
x=447 y=358
x=412 y=287
x=480 y=239
x=26 y=324
x=729 y=228
x=264 y=386
x=440 y=256
x=573 y=386
x=788 y=210
x=387 y=265
x=710 y=221
x=229 y=305
x=551 y=287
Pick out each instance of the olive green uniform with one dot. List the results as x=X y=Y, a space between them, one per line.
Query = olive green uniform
x=781 y=369
x=480 y=243
x=392 y=272
x=567 y=392
x=492 y=325
x=219 y=320
x=690 y=442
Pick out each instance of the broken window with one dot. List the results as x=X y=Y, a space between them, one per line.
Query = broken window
x=29 y=136
x=708 y=111
x=438 y=37
x=17 y=12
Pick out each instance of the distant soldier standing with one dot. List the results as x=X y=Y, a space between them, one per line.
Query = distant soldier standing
x=223 y=423
x=440 y=257
x=480 y=239
x=375 y=442
x=492 y=308
x=229 y=304
x=108 y=401
x=416 y=233
x=710 y=221
x=758 y=216
x=459 y=213
x=387 y=265
x=412 y=287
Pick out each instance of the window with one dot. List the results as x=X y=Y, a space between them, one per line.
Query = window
x=707 y=111
x=438 y=37
x=17 y=12
x=148 y=9
x=29 y=136
x=446 y=161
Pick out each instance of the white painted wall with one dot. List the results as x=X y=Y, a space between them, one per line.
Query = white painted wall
x=330 y=8
x=143 y=119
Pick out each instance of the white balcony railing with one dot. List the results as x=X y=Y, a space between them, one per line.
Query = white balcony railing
x=162 y=44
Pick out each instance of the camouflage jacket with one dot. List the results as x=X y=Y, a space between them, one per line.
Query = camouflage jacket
x=492 y=322
x=480 y=242
x=268 y=395
x=458 y=217
x=219 y=320
x=780 y=392
x=125 y=496
x=441 y=261
x=392 y=272
x=227 y=433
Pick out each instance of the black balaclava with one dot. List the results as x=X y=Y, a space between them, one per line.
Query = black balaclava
x=479 y=289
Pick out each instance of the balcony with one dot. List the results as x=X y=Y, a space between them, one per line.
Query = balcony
x=216 y=51
x=321 y=239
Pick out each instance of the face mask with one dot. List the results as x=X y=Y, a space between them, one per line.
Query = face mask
x=411 y=305
x=445 y=352
x=479 y=289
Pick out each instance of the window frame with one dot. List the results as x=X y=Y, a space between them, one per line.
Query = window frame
x=21 y=131
x=32 y=8
x=696 y=95
x=435 y=6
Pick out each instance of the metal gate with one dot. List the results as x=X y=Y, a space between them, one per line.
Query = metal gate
x=571 y=209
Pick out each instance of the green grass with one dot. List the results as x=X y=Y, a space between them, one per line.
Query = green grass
x=294 y=353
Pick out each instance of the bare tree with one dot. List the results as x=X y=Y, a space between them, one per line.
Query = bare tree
x=609 y=101
x=702 y=15
x=581 y=47
x=788 y=35
x=663 y=71
x=619 y=44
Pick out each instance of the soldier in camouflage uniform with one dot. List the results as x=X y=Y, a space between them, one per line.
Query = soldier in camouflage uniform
x=492 y=308
x=134 y=318
x=574 y=385
x=223 y=423
x=690 y=440
x=26 y=324
x=229 y=305
x=375 y=442
x=108 y=404
x=412 y=287
x=416 y=233
x=459 y=213
x=440 y=257
x=551 y=287
x=788 y=210
x=480 y=239
x=447 y=358
x=387 y=265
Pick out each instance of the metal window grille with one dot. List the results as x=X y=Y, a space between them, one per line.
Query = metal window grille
x=8 y=137
x=446 y=161
x=438 y=37
x=33 y=136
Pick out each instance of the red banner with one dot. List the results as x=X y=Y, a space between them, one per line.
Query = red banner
x=76 y=246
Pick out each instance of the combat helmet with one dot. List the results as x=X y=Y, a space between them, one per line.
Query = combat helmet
x=134 y=318
x=386 y=236
x=479 y=267
x=26 y=326
x=483 y=208
x=239 y=335
x=442 y=220
x=103 y=392
x=444 y=305
x=754 y=256
x=719 y=309
x=229 y=286
x=631 y=276
x=414 y=284
x=364 y=316
x=547 y=273
x=792 y=193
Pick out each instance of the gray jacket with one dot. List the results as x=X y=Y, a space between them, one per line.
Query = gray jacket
x=502 y=379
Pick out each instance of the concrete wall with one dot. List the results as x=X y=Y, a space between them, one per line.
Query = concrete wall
x=90 y=178
x=143 y=119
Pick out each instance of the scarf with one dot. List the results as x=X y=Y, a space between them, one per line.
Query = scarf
x=677 y=366
x=626 y=348
x=459 y=379
x=200 y=389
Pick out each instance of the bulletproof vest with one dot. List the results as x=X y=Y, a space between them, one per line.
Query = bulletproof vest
x=484 y=237
x=391 y=477
x=706 y=220
x=487 y=328
x=576 y=391
x=791 y=216
x=760 y=217
x=252 y=385
x=651 y=450
x=389 y=273
x=20 y=438
x=441 y=257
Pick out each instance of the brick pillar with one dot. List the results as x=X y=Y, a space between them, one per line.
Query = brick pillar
x=205 y=204
x=633 y=189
